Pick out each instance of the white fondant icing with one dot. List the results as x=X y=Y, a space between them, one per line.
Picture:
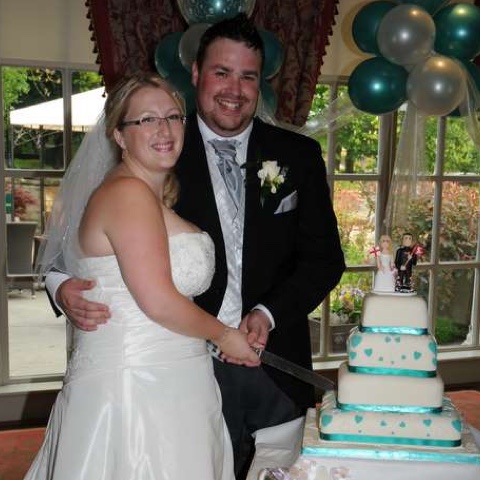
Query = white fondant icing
x=394 y=311
x=387 y=426
x=392 y=351
x=365 y=389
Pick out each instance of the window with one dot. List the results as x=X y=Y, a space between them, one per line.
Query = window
x=443 y=216
x=46 y=114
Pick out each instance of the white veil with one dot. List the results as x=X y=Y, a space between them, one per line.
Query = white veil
x=94 y=158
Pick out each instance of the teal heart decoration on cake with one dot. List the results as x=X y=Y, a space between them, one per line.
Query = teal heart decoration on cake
x=326 y=420
x=352 y=355
x=398 y=339
x=457 y=425
x=427 y=422
x=433 y=347
x=383 y=423
x=388 y=339
x=417 y=355
x=368 y=352
x=355 y=341
x=402 y=424
x=358 y=419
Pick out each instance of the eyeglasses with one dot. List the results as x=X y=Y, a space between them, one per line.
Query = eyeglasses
x=174 y=120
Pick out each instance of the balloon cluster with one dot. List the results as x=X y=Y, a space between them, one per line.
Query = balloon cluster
x=176 y=52
x=423 y=54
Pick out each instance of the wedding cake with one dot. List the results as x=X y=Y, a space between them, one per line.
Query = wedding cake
x=389 y=390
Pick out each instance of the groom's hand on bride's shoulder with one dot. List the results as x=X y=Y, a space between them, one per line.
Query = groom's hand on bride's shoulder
x=82 y=313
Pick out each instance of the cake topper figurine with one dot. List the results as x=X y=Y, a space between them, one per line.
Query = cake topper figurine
x=386 y=273
x=405 y=259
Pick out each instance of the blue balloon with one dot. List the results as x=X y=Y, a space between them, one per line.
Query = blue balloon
x=182 y=81
x=378 y=86
x=365 y=25
x=167 y=54
x=458 y=31
x=273 y=54
x=474 y=73
x=211 y=11
x=268 y=97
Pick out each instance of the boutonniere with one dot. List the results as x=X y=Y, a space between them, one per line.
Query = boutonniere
x=271 y=177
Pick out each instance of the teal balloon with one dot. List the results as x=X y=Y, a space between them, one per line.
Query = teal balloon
x=273 y=54
x=378 y=86
x=431 y=6
x=268 y=96
x=211 y=11
x=458 y=31
x=474 y=81
x=365 y=25
x=181 y=79
x=167 y=54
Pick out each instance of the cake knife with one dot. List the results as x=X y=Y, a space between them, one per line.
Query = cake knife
x=295 y=370
x=284 y=365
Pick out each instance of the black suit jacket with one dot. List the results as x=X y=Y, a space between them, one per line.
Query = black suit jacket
x=291 y=260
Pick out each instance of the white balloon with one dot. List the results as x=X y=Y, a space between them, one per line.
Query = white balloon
x=406 y=35
x=188 y=45
x=437 y=85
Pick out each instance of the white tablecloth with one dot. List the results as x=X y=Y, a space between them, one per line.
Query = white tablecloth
x=280 y=447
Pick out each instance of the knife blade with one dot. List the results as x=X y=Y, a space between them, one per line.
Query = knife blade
x=284 y=365
x=295 y=370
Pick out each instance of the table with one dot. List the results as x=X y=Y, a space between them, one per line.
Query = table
x=277 y=447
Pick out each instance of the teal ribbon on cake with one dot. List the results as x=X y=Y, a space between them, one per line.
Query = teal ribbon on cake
x=353 y=407
x=393 y=371
x=341 y=437
x=390 y=454
x=395 y=330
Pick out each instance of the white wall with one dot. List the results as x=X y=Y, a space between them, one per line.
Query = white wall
x=46 y=30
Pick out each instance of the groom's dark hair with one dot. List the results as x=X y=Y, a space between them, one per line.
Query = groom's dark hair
x=238 y=28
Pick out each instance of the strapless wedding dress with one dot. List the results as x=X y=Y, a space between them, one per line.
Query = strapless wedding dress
x=139 y=402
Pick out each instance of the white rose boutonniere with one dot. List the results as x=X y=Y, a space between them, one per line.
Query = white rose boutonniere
x=271 y=177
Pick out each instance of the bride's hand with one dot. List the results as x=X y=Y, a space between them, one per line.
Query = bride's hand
x=235 y=348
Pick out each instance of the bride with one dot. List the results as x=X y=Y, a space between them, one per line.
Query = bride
x=139 y=400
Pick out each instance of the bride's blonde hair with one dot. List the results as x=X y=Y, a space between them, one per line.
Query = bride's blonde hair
x=116 y=107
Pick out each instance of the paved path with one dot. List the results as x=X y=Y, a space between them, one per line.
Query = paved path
x=36 y=337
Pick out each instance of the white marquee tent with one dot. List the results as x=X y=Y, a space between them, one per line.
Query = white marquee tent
x=86 y=108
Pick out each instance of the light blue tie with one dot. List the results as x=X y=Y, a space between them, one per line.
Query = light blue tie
x=226 y=151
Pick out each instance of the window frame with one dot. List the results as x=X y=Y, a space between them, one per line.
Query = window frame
x=387 y=145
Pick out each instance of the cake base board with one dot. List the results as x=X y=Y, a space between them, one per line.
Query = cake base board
x=313 y=446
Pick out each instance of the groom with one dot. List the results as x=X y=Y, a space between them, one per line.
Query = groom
x=277 y=246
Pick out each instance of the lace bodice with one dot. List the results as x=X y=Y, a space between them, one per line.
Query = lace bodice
x=192 y=259
x=193 y=262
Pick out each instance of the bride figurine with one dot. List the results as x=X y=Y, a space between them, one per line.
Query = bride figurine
x=386 y=272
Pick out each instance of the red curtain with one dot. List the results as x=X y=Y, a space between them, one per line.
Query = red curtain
x=126 y=33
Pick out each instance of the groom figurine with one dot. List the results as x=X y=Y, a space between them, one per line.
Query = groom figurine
x=262 y=195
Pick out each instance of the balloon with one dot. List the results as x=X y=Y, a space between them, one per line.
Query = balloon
x=166 y=54
x=406 y=35
x=437 y=85
x=182 y=81
x=473 y=82
x=268 y=96
x=377 y=86
x=188 y=45
x=273 y=54
x=458 y=31
x=365 y=25
x=211 y=11
x=431 y=6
